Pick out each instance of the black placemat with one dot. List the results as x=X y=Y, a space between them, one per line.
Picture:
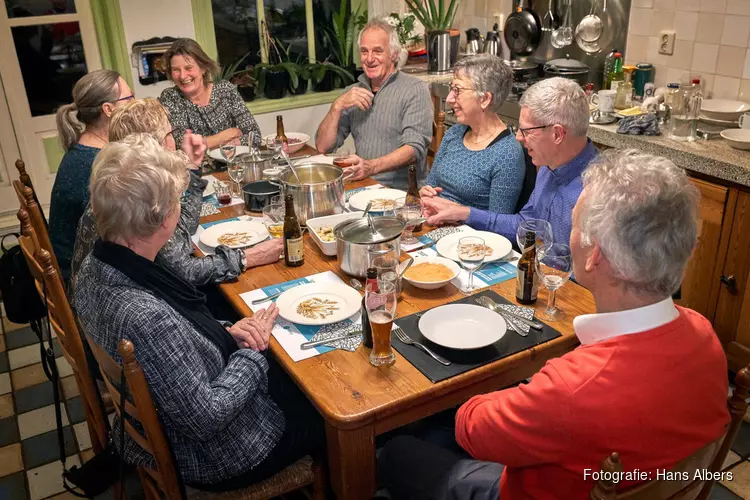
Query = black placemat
x=463 y=361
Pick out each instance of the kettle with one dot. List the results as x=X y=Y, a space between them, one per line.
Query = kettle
x=472 y=41
x=492 y=43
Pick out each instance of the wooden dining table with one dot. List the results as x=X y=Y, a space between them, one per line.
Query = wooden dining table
x=359 y=401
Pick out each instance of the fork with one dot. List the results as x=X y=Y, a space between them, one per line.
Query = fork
x=403 y=337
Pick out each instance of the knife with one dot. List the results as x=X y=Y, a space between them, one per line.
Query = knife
x=428 y=245
x=310 y=345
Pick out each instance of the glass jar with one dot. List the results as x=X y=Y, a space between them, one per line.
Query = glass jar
x=684 y=110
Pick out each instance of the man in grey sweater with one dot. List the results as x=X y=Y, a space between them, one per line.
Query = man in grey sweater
x=388 y=113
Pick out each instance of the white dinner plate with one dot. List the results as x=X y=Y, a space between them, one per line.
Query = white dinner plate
x=343 y=301
x=255 y=231
x=462 y=326
x=359 y=201
x=448 y=245
x=209 y=189
x=215 y=154
x=714 y=121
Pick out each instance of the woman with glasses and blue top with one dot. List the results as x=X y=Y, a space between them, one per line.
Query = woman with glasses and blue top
x=479 y=163
x=82 y=127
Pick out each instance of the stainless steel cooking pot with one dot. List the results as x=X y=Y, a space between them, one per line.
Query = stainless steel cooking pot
x=568 y=68
x=255 y=164
x=258 y=194
x=356 y=241
x=319 y=191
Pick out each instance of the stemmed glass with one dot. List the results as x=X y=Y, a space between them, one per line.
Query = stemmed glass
x=236 y=173
x=409 y=211
x=381 y=309
x=254 y=153
x=228 y=149
x=554 y=268
x=542 y=231
x=471 y=255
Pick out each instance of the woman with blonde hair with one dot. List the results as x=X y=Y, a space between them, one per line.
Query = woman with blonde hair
x=213 y=109
x=83 y=129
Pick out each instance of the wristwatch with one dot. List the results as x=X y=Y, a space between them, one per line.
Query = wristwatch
x=243 y=259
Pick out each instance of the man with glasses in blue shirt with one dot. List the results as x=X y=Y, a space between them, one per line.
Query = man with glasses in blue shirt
x=552 y=126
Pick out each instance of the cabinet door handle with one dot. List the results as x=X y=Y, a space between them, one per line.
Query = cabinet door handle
x=730 y=282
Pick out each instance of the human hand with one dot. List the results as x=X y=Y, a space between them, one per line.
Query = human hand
x=264 y=253
x=429 y=191
x=357 y=168
x=255 y=332
x=440 y=211
x=355 y=96
x=194 y=146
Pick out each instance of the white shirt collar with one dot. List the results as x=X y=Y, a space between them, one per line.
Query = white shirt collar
x=593 y=328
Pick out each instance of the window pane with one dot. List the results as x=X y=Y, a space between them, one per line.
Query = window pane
x=286 y=22
x=322 y=14
x=26 y=8
x=52 y=60
x=236 y=27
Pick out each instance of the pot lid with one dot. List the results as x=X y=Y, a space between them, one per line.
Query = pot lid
x=359 y=232
x=259 y=157
x=566 y=64
x=521 y=65
x=260 y=188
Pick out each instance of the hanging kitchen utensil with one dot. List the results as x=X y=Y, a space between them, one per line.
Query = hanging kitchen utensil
x=589 y=30
x=523 y=31
x=563 y=36
x=549 y=22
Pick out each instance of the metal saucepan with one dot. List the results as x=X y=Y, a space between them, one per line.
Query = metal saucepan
x=568 y=68
x=523 y=31
x=255 y=164
x=319 y=192
x=522 y=68
x=356 y=242
x=258 y=194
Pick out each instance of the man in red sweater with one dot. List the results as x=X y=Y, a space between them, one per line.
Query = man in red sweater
x=648 y=381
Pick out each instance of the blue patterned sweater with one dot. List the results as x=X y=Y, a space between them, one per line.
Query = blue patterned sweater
x=490 y=179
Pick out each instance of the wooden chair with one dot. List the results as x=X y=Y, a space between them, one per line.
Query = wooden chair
x=63 y=323
x=438 y=129
x=711 y=458
x=25 y=179
x=27 y=200
x=163 y=481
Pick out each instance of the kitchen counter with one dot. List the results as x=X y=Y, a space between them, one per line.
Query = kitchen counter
x=420 y=71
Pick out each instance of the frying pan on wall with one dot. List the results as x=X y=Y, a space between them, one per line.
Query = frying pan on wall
x=523 y=31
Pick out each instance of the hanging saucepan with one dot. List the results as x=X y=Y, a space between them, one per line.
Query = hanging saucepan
x=523 y=31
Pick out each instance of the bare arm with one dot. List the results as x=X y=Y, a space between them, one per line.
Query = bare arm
x=216 y=140
x=325 y=138
x=335 y=126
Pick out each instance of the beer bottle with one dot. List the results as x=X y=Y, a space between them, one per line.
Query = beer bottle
x=370 y=284
x=528 y=280
x=294 y=249
x=412 y=193
x=280 y=135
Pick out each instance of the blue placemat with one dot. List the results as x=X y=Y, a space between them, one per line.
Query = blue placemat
x=496 y=272
x=209 y=224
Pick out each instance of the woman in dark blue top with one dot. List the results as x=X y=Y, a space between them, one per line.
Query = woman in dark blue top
x=83 y=128
x=479 y=163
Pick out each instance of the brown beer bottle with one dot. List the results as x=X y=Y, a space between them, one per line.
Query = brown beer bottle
x=412 y=193
x=280 y=135
x=294 y=249
x=370 y=284
x=527 y=284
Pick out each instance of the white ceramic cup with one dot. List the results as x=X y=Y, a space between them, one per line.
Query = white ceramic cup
x=605 y=100
x=745 y=121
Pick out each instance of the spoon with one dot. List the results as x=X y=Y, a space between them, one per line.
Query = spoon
x=291 y=166
x=407 y=266
x=356 y=284
x=492 y=306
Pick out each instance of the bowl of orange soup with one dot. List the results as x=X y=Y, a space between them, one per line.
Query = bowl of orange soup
x=430 y=273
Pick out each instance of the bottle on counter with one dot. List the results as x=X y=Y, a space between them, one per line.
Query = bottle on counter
x=370 y=284
x=617 y=76
x=609 y=62
x=280 y=135
x=294 y=248
x=527 y=284
x=624 y=96
x=412 y=193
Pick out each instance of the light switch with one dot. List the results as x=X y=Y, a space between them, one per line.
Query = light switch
x=666 y=42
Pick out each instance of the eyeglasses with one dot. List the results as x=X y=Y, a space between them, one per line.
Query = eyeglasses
x=529 y=129
x=456 y=90
x=126 y=98
x=171 y=132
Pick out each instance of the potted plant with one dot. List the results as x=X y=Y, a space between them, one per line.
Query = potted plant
x=303 y=77
x=404 y=26
x=279 y=74
x=342 y=35
x=323 y=75
x=242 y=78
x=436 y=20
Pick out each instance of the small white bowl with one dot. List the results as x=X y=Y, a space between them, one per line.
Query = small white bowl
x=738 y=138
x=724 y=109
x=328 y=247
x=293 y=148
x=432 y=285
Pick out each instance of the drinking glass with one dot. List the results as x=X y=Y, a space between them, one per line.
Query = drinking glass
x=254 y=153
x=542 y=234
x=409 y=212
x=277 y=200
x=236 y=172
x=228 y=149
x=471 y=255
x=223 y=195
x=554 y=269
x=381 y=310
x=273 y=218
x=387 y=269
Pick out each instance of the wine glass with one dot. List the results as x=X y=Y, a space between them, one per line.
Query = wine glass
x=254 y=153
x=471 y=254
x=228 y=149
x=273 y=218
x=408 y=211
x=236 y=172
x=381 y=310
x=554 y=269
x=541 y=231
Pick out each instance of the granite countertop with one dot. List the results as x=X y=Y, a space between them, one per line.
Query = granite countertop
x=714 y=158
x=420 y=71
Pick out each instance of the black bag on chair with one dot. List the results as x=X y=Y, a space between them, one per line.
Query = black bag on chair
x=20 y=297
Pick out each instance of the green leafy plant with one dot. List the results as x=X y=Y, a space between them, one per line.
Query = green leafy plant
x=433 y=17
x=345 y=28
x=404 y=25
x=279 y=61
x=316 y=71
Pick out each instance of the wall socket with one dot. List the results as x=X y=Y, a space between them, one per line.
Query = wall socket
x=666 y=42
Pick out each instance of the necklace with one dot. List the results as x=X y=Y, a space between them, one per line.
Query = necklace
x=101 y=139
x=491 y=134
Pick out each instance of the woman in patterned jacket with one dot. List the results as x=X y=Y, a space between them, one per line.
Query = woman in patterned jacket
x=230 y=414
x=479 y=163
x=214 y=110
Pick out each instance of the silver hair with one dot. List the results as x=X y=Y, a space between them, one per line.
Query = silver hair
x=558 y=101
x=393 y=42
x=136 y=184
x=488 y=73
x=642 y=211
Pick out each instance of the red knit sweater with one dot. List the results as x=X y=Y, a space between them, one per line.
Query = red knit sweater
x=655 y=397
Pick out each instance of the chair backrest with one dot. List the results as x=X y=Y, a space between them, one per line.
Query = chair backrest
x=711 y=458
x=438 y=131
x=30 y=205
x=25 y=179
x=62 y=321
x=164 y=478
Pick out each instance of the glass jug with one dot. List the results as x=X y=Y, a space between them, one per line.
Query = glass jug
x=684 y=111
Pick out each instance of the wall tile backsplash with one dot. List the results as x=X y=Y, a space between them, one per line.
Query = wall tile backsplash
x=712 y=39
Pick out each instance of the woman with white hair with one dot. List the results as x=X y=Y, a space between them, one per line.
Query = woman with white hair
x=480 y=163
x=231 y=416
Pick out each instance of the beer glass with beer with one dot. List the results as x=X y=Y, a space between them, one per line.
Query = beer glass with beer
x=381 y=309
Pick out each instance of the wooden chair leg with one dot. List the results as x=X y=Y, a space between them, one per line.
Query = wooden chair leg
x=319 y=480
